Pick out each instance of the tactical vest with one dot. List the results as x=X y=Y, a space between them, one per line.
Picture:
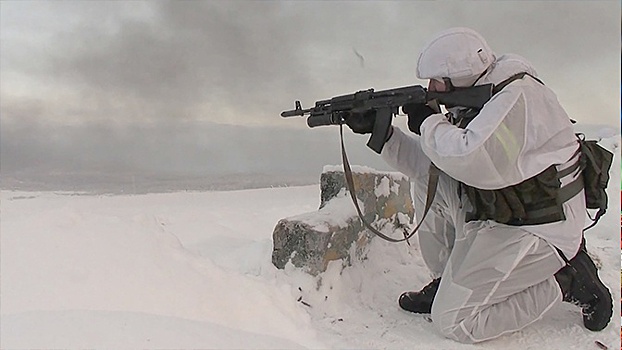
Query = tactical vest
x=537 y=200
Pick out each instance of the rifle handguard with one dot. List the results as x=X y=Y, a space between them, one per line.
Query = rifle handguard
x=323 y=119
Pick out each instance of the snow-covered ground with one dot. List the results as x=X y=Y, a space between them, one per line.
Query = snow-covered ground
x=192 y=270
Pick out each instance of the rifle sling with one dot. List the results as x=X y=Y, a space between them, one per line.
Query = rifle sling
x=507 y=81
x=432 y=185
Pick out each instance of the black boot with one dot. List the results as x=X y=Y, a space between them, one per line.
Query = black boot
x=420 y=302
x=581 y=285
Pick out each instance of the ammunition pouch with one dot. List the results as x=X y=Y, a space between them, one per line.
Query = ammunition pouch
x=535 y=201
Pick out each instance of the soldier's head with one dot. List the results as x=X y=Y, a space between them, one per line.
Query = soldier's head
x=454 y=57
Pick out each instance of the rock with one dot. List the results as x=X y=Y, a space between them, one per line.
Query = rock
x=310 y=241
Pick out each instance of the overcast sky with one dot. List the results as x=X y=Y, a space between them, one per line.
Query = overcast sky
x=197 y=87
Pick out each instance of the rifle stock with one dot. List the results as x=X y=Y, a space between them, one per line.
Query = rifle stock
x=471 y=97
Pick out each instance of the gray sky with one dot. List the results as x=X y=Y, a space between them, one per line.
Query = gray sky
x=197 y=87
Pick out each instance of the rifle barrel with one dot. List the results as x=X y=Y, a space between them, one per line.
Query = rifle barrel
x=295 y=113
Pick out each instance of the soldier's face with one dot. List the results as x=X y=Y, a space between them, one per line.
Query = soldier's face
x=437 y=85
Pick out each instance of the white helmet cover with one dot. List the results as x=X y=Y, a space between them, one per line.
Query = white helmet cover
x=460 y=54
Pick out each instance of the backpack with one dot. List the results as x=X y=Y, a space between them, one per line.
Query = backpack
x=595 y=162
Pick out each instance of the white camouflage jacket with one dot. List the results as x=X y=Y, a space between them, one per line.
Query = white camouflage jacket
x=520 y=132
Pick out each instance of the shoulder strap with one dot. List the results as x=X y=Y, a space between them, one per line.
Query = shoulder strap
x=507 y=81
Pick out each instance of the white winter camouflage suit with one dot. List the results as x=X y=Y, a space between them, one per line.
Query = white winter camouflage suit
x=496 y=278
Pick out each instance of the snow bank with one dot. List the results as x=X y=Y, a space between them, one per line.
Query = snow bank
x=193 y=270
x=68 y=261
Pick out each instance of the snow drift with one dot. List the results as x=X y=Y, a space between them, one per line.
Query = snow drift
x=193 y=270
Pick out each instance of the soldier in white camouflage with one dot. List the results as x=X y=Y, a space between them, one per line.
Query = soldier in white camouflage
x=504 y=240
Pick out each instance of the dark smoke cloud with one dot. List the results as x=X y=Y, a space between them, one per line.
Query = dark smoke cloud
x=147 y=87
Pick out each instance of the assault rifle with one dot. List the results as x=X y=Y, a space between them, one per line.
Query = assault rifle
x=386 y=103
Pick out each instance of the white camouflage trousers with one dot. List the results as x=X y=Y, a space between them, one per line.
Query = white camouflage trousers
x=496 y=278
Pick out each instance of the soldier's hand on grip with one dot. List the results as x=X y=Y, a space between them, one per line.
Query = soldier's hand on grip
x=417 y=113
x=361 y=123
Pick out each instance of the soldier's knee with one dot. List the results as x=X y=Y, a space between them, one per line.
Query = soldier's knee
x=451 y=327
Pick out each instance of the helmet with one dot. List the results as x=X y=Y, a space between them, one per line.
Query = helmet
x=460 y=54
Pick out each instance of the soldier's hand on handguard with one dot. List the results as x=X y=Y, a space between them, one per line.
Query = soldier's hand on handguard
x=362 y=123
x=417 y=113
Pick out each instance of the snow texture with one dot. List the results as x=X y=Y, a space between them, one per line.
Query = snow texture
x=336 y=213
x=192 y=270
